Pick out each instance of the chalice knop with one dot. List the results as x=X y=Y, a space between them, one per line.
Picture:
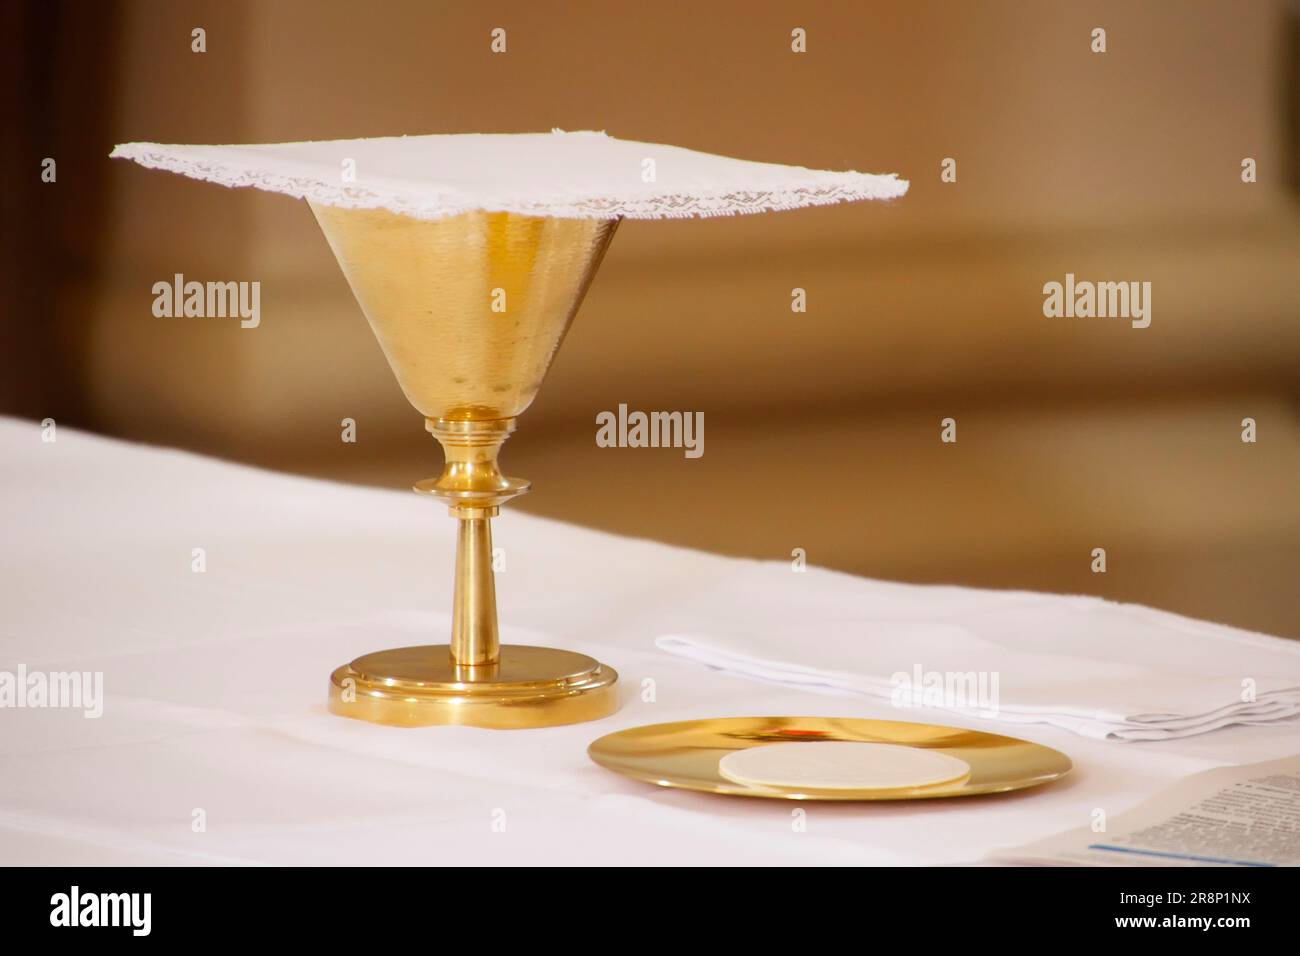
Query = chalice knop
x=469 y=311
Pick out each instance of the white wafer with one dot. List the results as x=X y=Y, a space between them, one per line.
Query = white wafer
x=841 y=765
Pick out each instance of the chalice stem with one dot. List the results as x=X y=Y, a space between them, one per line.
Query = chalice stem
x=475 y=641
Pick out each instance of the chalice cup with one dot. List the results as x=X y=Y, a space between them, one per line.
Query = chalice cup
x=469 y=311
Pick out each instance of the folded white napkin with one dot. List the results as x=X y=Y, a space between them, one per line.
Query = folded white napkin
x=1099 y=669
x=585 y=175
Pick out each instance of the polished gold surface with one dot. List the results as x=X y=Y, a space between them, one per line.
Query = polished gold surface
x=469 y=311
x=686 y=755
x=524 y=687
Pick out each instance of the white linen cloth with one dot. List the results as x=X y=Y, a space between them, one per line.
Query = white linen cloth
x=586 y=175
x=215 y=745
x=1093 y=667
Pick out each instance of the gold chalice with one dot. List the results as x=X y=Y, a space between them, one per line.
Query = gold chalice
x=469 y=311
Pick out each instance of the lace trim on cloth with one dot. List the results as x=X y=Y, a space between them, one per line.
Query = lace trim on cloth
x=819 y=188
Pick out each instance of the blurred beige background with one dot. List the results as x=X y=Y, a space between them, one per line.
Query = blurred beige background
x=822 y=429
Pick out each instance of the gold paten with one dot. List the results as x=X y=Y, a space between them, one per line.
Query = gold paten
x=686 y=755
x=469 y=311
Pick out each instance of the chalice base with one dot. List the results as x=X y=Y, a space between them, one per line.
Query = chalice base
x=422 y=687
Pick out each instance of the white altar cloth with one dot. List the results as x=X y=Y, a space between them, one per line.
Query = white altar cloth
x=303 y=575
